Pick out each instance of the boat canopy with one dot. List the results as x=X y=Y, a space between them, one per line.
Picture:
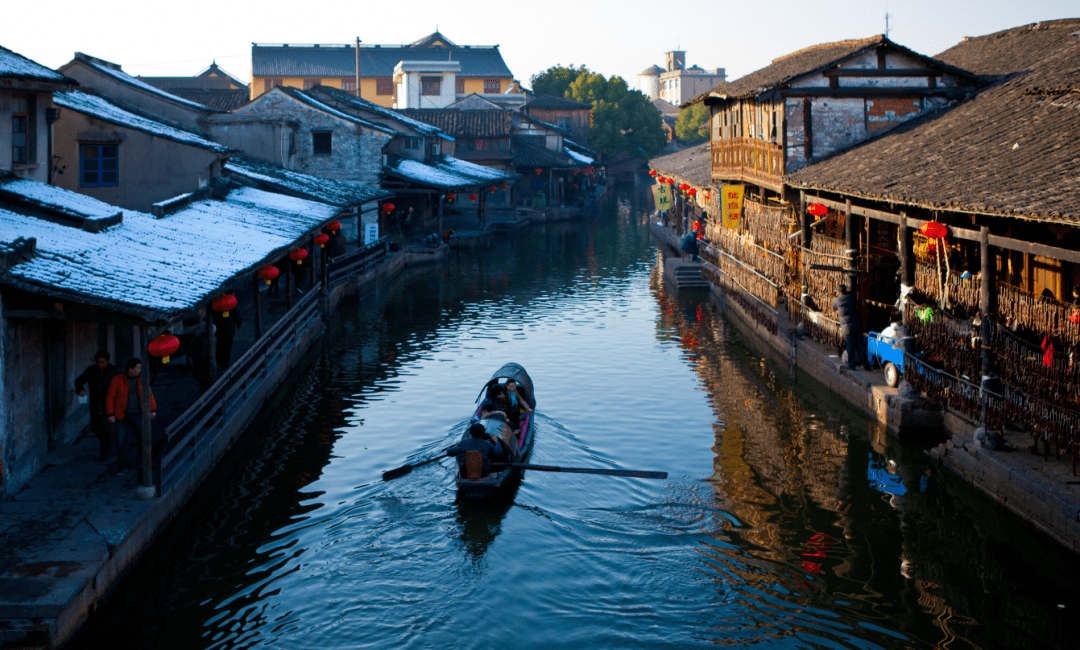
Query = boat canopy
x=521 y=378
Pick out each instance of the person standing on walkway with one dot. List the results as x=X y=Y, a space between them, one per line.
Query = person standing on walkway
x=123 y=406
x=96 y=378
x=225 y=329
x=851 y=328
x=690 y=245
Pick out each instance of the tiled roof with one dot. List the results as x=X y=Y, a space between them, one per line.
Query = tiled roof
x=114 y=71
x=16 y=66
x=102 y=109
x=469 y=124
x=285 y=181
x=1008 y=150
x=219 y=100
x=363 y=105
x=444 y=172
x=1012 y=50
x=665 y=107
x=149 y=267
x=305 y=98
x=527 y=154
x=375 y=61
x=532 y=100
x=691 y=165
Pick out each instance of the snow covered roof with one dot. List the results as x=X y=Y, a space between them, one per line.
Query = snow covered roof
x=114 y=71
x=583 y=159
x=364 y=105
x=157 y=268
x=444 y=172
x=68 y=207
x=17 y=66
x=278 y=179
x=104 y=110
x=314 y=103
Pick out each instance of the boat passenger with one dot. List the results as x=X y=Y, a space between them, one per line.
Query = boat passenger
x=496 y=422
x=514 y=403
x=488 y=447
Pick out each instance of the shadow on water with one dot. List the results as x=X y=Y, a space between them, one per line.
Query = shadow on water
x=479 y=522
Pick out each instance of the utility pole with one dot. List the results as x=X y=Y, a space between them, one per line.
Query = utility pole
x=357 y=66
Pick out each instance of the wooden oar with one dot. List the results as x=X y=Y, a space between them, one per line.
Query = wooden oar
x=586 y=470
x=405 y=469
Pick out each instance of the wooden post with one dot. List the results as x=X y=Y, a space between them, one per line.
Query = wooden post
x=144 y=402
x=288 y=284
x=987 y=291
x=258 y=307
x=851 y=243
x=804 y=221
x=442 y=197
x=211 y=339
x=907 y=260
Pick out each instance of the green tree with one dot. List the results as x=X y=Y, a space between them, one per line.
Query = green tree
x=688 y=127
x=624 y=121
x=556 y=80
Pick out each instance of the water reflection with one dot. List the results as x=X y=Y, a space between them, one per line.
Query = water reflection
x=780 y=525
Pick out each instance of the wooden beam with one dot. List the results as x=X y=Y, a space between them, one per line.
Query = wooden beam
x=875 y=72
x=1006 y=243
x=69 y=316
x=869 y=91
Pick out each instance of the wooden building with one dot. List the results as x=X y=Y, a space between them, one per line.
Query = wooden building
x=481 y=68
x=567 y=114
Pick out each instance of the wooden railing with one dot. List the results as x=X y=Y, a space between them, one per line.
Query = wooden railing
x=200 y=427
x=748 y=158
x=359 y=261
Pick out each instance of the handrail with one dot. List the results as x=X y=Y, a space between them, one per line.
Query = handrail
x=745 y=290
x=749 y=268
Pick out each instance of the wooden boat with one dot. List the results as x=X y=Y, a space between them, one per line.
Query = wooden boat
x=520 y=446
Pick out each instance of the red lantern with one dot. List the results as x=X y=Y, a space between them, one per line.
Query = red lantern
x=589 y=169
x=574 y=186
x=492 y=189
x=662 y=179
x=691 y=192
x=671 y=181
x=321 y=239
x=268 y=273
x=697 y=225
x=163 y=346
x=388 y=207
x=224 y=303
x=298 y=255
x=451 y=196
x=934 y=230
x=817 y=209
x=504 y=186
x=539 y=171
x=652 y=173
x=333 y=226
x=473 y=197
x=683 y=186
x=1075 y=318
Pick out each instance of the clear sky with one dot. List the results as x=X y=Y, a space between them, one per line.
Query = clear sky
x=154 y=38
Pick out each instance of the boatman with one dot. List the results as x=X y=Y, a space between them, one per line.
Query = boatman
x=488 y=447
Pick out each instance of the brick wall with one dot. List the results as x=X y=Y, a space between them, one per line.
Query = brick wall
x=883 y=113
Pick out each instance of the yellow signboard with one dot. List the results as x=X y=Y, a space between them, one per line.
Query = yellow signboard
x=663 y=196
x=731 y=204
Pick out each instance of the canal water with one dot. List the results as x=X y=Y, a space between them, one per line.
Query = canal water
x=788 y=520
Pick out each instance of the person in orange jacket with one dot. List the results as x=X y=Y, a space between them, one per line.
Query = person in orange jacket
x=124 y=406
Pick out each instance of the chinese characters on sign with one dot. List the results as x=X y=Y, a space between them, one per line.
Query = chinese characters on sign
x=663 y=196
x=371 y=234
x=731 y=204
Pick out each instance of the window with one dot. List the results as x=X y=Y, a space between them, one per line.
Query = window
x=412 y=143
x=311 y=83
x=430 y=86
x=564 y=123
x=20 y=122
x=349 y=85
x=270 y=83
x=99 y=165
x=502 y=145
x=460 y=86
x=479 y=144
x=491 y=85
x=322 y=142
x=384 y=86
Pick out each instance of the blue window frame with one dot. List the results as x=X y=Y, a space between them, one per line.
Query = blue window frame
x=99 y=165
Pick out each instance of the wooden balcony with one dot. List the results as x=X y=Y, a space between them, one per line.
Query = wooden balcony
x=748 y=159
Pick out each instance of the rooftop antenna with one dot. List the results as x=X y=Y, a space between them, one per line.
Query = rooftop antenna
x=886 y=18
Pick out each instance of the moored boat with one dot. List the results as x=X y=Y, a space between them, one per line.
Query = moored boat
x=519 y=445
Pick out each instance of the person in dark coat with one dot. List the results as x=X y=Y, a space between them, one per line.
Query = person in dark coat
x=225 y=329
x=690 y=245
x=851 y=328
x=96 y=378
x=488 y=446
